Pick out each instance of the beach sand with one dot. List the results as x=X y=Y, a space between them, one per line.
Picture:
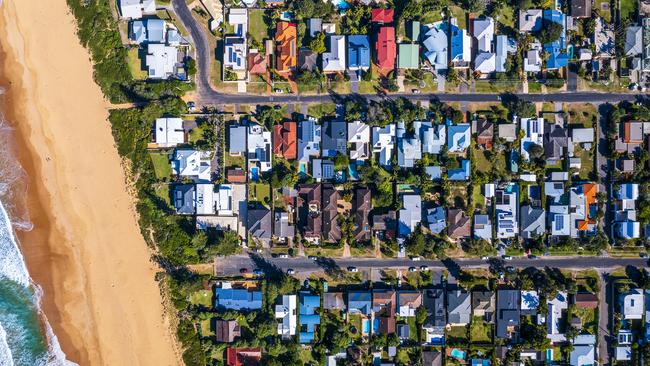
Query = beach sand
x=86 y=251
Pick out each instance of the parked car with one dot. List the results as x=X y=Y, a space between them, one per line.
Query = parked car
x=353 y=269
x=415 y=91
x=643 y=255
x=412 y=269
x=313 y=257
x=532 y=256
x=424 y=268
x=485 y=258
x=191 y=106
x=507 y=258
x=243 y=270
x=290 y=271
x=283 y=255
x=258 y=272
x=416 y=259
x=278 y=91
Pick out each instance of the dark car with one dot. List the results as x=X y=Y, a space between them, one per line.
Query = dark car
x=243 y=270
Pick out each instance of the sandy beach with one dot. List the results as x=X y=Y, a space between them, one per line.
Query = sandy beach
x=85 y=251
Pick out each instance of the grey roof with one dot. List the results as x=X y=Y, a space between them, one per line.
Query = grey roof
x=436 y=217
x=184 y=198
x=307 y=59
x=484 y=301
x=360 y=301
x=323 y=169
x=434 y=303
x=533 y=221
x=333 y=301
x=581 y=8
x=508 y=311
x=582 y=135
x=434 y=172
x=431 y=358
x=482 y=227
x=459 y=305
x=138 y=32
x=334 y=138
x=155 y=30
x=556 y=139
x=403 y=331
x=282 y=228
x=409 y=147
x=633 y=41
x=259 y=223
x=237 y=139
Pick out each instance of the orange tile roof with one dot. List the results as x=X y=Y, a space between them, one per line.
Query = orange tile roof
x=285 y=39
x=256 y=63
x=284 y=140
x=590 y=195
x=583 y=225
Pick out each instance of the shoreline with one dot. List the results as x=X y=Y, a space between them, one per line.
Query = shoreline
x=85 y=250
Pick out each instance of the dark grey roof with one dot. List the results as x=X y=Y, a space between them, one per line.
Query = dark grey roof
x=259 y=223
x=334 y=138
x=282 y=228
x=556 y=139
x=434 y=303
x=184 y=198
x=459 y=306
x=403 y=331
x=508 y=311
x=533 y=221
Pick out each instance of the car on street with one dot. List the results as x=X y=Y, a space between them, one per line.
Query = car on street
x=412 y=269
x=485 y=258
x=532 y=256
x=643 y=255
x=415 y=91
x=290 y=271
x=353 y=269
x=243 y=270
x=313 y=257
x=507 y=258
x=283 y=255
x=278 y=91
x=424 y=268
x=416 y=259
x=258 y=272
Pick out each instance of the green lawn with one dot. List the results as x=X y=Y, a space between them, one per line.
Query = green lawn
x=206 y=327
x=320 y=110
x=460 y=15
x=457 y=335
x=259 y=192
x=534 y=87
x=583 y=114
x=495 y=163
x=256 y=26
x=588 y=316
x=507 y=16
x=161 y=165
x=162 y=191
x=480 y=331
x=201 y=297
x=628 y=8
x=135 y=64
x=586 y=160
x=494 y=86
x=234 y=161
x=196 y=133
x=603 y=8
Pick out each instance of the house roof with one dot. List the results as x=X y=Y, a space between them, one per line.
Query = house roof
x=359 y=301
x=169 y=132
x=461 y=173
x=434 y=303
x=431 y=358
x=484 y=132
x=410 y=215
x=243 y=356
x=484 y=33
x=281 y=228
x=334 y=57
x=260 y=223
x=459 y=306
x=307 y=59
x=285 y=40
x=633 y=41
x=333 y=301
x=331 y=226
x=237 y=299
x=309 y=204
x=385 y=47
x=557 y=49
x=383 y=16
x=334 y=138
x=358 y=51
x=161 y=61
x=508 y=311
x=483 y=300
x=507 y=131
x=237 y=175
x=256 y=63
x=359 y=139
x=412 y=299
x=435 y=42
x=461 y=45
x=184 y=198
x=533 y=222
x=436 y=217
x=285 y=140
x=586 y=300
x=236 y=139
x=408 y=56
x=362 y=205
x=458 y=137
x=555 y=141
x=459 y=224
x=226 y=330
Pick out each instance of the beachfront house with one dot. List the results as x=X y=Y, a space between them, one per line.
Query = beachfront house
x=193 y=164
x=135 y=9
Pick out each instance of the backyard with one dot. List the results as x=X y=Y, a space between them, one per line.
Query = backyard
x=586 y=161
x=161 y=165
x=457 y=335
x=260 y=193
x=135 y=64
x=480 y=331
x=584 y=115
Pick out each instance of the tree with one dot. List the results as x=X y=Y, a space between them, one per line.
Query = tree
x=190 y=65
x=452 y=75
x=356 y=20
x=341 y=161
x=317 y=44
x=550 y=32
x=536 y=151
x=268 y=117
x=475 y=6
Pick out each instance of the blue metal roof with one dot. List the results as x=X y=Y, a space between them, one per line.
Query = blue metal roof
x=557 y=49
x=461 y=173
x=238 y=299
x=358 y=51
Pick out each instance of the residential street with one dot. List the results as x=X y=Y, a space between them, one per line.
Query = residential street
x=604 y=338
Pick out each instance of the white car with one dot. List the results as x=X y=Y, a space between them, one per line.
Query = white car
x=290 y=271
x=424 y=268
x=507 y=258
x=485 y=258
x=283 y=255
x=412 y=269
x=416 y=259
x=353 y=269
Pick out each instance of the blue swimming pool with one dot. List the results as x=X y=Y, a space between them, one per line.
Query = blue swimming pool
x=255 y=174
x=458 y=354
x=365 y=326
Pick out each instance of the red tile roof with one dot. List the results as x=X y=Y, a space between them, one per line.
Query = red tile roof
x=385 y=47
x=236 y=175
x=383 y=15
x=285 y=40
x=256 y=63
x=284 y=140
x=243 y=356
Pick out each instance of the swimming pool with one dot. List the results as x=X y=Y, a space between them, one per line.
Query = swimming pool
x=458 y=354
x=255 y=174
x=365 y=326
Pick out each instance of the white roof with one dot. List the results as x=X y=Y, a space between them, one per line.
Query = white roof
x=485 y=62
x=359 y=138
x=528 y=19
x=582 y=135
x=334 y=59
x=259 y=147
x=603 y=38
x=533 y=135
x=224 y=200
x=205 y=199
x=484 y=33
x=235 y=53
x=169 y=132
x=410 y=215
x=238 y=16
x=286 y=311
x=192 y=163
x=161 y=61
x=435 y=42
x=383 y=142
x=506 y=215
x=533 y=59
x=632 y=304
x=134 y=9
x=554 y=317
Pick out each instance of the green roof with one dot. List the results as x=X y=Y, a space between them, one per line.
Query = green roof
x=414 y=30
x=408 y=56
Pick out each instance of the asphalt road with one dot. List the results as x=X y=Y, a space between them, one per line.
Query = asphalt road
x=232 y=265
x=207 y=95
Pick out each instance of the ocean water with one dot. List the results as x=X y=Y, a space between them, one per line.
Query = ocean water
x=26 y=338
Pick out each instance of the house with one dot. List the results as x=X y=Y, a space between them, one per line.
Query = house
x=237 y=299
x=225 y=331
x=460 y=174
x=358 y=52
x=309 y=142
x=436 y=321
x=458 y=137
x=383 y=143
x=408 y=56
x=507 y=131
x=331 y=226
x=259 y=151
x=559 y=220
x=436 y=219
x=582 y=135
x=359 y=140
x=236 y=175
x=461 y=45
x=584 y=350
x=530 y=20
x=385 y=225
x=235 y=49
x=558 y=57
x=256 y=62
x=359 y=302
x=334 y=57
x=431 y=358
x=228 y=202
x=333 y=301
x=260 y=224
x=193 y=164
x=162 y=61
x=148 y=31
x=307 y=59
x=586 y=300
x=508 y=314
x=633 y=41
x=184 y=198
x=403 y=332
x=436 y=47
x=205 y=202
x=432 y=137
x=135 y=9
x=483 y=31
x=237 y=139
x=408 y=302
x=334 y=138
x=243 y=356
x=434 y=172
x=556 y=140
x=382 y=16
x=483 y=227
x=485 y=63
x=533 y=58
x=631 y=304
x=459 y=224
x=533 y=135
x=309 y=317
x=314 y=25
x=503 y=49
x=554 y=317
x=581 y=8
x=282 y=226
x=507 y=204
x=286 y=313
x=625 y=224
x=582 y=203
x=533 y=222
x=285 y=137
x=413 y=30
x=459 y=307
x=410 y=215
x=384 y=303
x=308 y=203
x=603 y=39
x=285 y=43
x=169 y=132
x=361 y=206
x=409 y=147
x=385 y=48
x=483 y=305
x=484 y=133
x=529 y=302
x=322 y=169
